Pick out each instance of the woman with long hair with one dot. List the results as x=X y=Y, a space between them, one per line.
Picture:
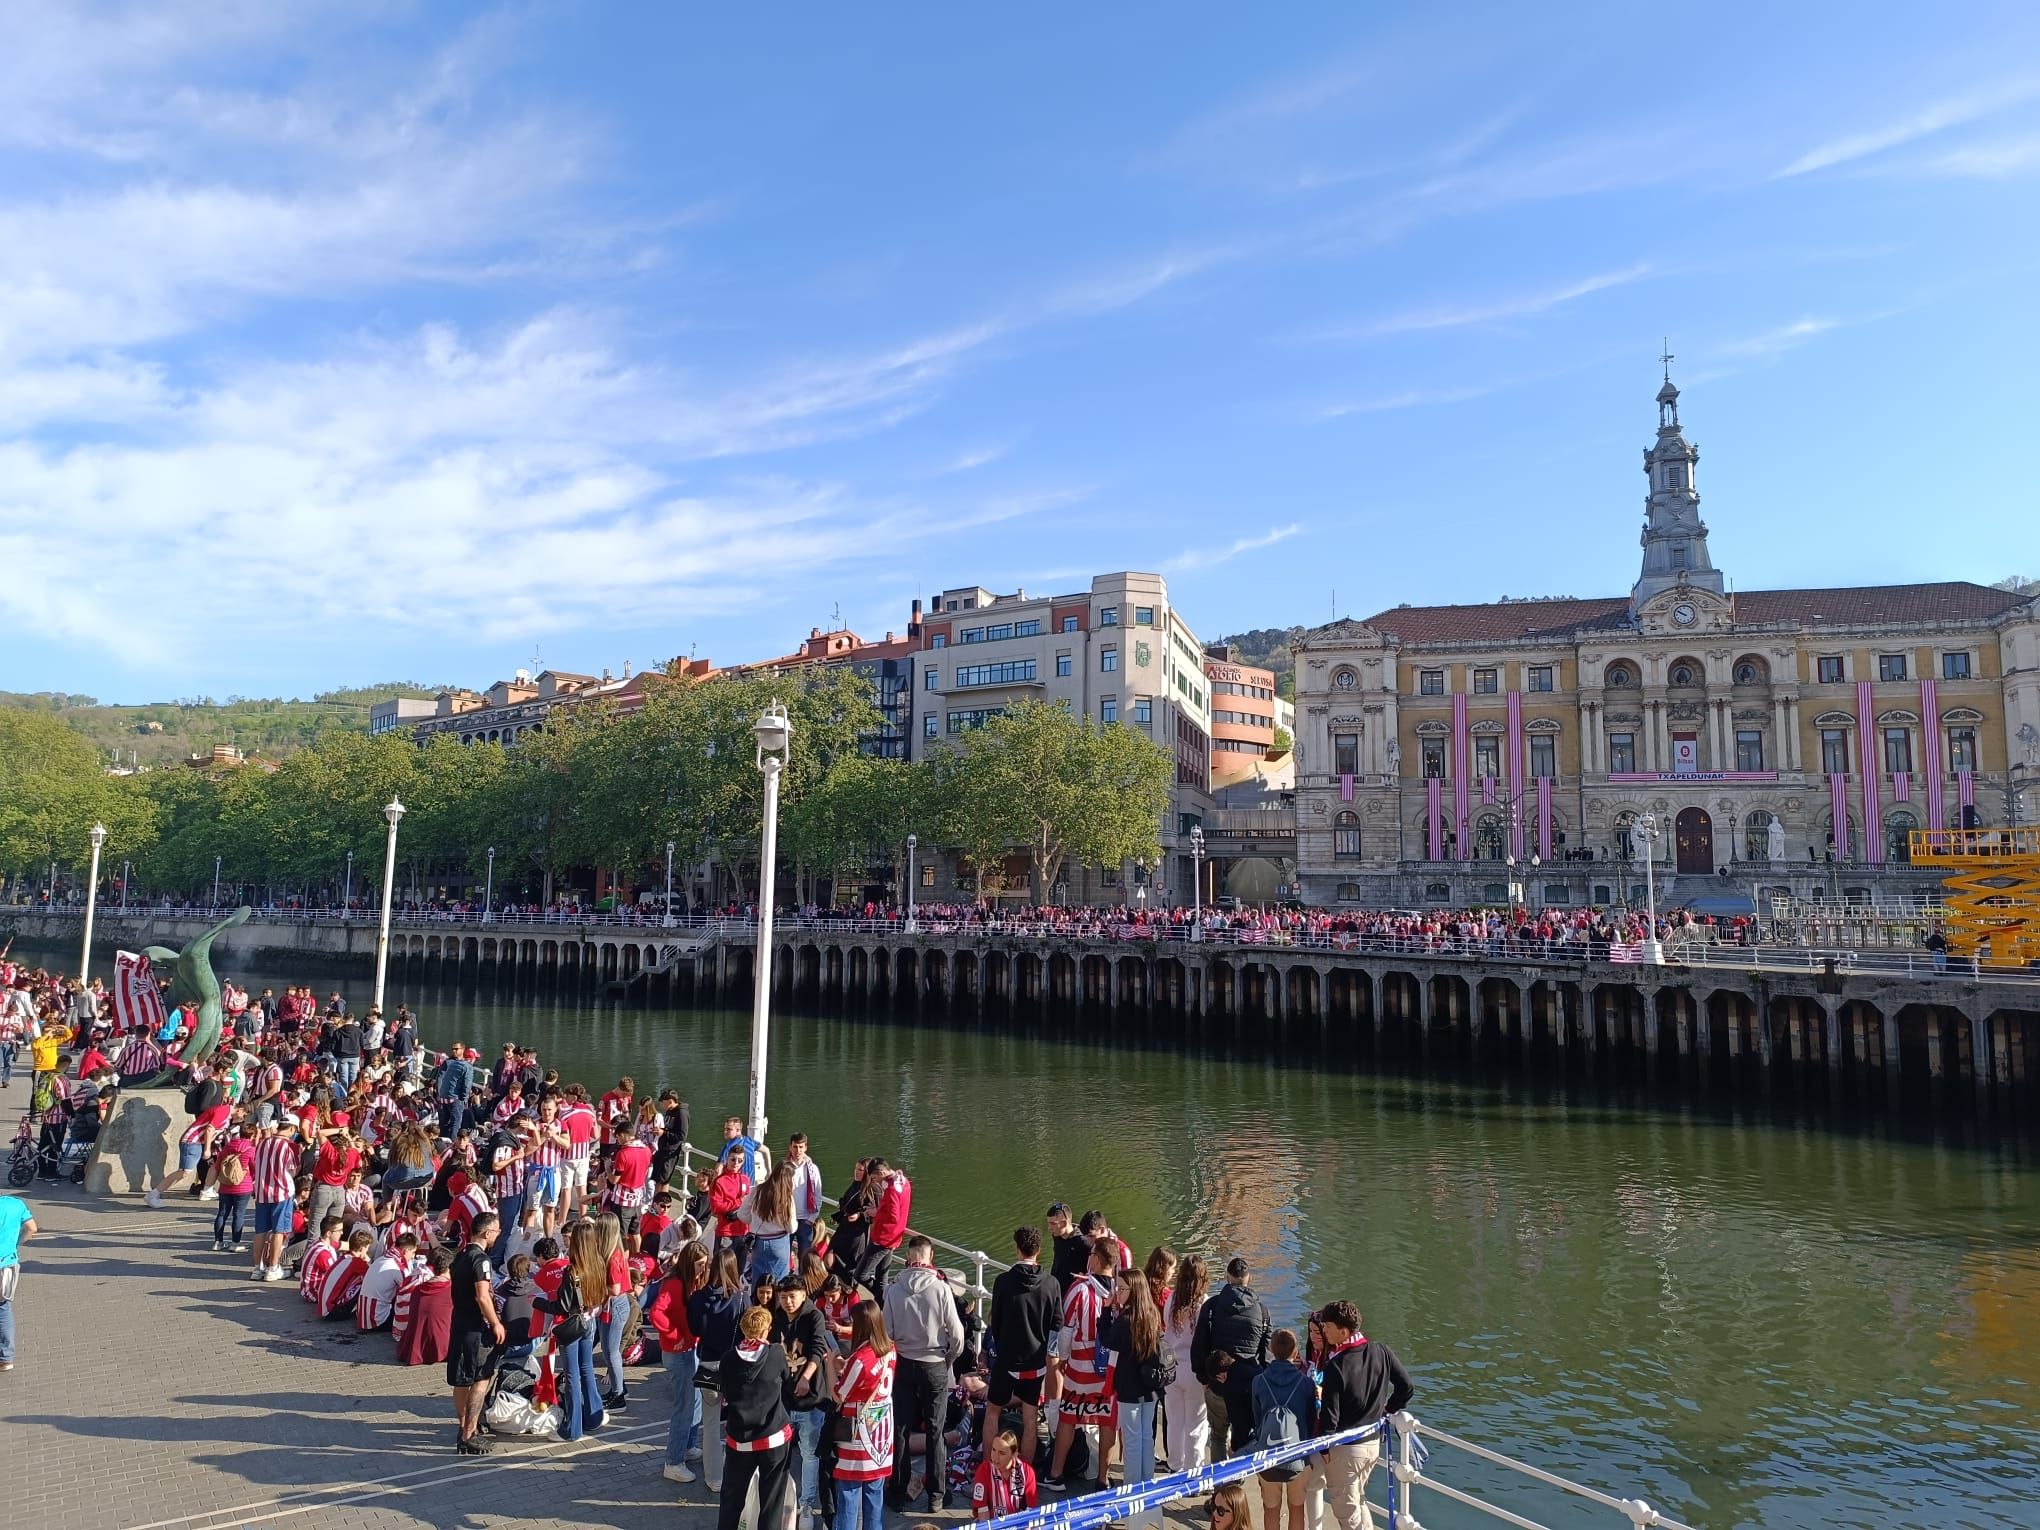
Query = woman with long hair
x=853 y=1226
x=614 y=1309
x=712 y=1312
x=1160 y=1270
x=1142 y=1369
x=769 y=1215
x=679 y=1347
x=1229 y=1507
x=864 y=1438
x=1189 y=1421
x=582 y=1289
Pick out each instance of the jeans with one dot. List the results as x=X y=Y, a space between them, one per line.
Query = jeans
x=685 y=1428
x=920 y=1401
x=509 y=1212
x=6 y=1331
x=450 y=1113
x=860 y=1505
x=580 y=1395
x=807 y=1438
x=773 y=1472
x=8 y=1050
x=1137 y=1453
x=327 y=1201
x=803 y=1239
x=232 y=1213
x=771 y=1258
x=346 y=1070
x=618 y=1309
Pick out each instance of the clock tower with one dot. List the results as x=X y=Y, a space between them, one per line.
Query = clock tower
x=1674 y=537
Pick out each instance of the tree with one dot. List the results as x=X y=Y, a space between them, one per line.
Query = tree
x=1040 y=779
x=53 y=789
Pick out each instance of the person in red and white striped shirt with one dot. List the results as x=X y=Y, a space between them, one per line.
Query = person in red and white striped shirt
x=276 y=1167
x=1087 y=1383
x=341 y=1289
x=377 y=1304
x=864 y=1392
x=319 y=1260
x=577 y=1120
x=544 y=1186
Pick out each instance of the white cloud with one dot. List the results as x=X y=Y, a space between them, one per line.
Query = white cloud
x=1786 y=336
x=1211 y=558
x=1952 y=111
x=1994 y=160
x=1408 y=398
x=971 y=460
x=1523 y=306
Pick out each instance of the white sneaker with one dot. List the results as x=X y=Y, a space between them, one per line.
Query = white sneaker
x=694 y=1455
x=678 y=1474
x=260 y=1272
x=154 y=1199
x=274 y=1272
x=208 y=1195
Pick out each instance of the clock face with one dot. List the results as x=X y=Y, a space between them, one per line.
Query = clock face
x=1684 y=615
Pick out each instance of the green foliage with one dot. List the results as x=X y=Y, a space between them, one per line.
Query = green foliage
x=163 y=731
x=1268 y=648
x=1282 y=742
x=51 y=793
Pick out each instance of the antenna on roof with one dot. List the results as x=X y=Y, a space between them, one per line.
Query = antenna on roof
x=836 y=618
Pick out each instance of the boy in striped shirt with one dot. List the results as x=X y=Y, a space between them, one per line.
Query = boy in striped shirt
x=276 y=1167
x=1086 y=1381
x=548 y=1151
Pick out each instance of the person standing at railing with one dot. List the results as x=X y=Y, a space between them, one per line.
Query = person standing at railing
x=807 y=1193
x=1363 y=1383
x=1025 y=1311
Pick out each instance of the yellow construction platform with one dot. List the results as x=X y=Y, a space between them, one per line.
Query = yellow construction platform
x=1993 y=897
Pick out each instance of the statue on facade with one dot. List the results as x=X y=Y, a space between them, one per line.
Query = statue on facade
x=193 y=985
x=1774 y=841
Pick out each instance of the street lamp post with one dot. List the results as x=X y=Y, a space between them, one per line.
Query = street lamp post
x=1515 y=887
x=1197 y=881
x=347 y=895
x=126 y=871
x=774 y=733
x=913 y=841
x=91 y=902
x=216 y=881
x=393 y=811
x=1536 y=887
x=489 y=890
x=1648 y=829
x=669 y=884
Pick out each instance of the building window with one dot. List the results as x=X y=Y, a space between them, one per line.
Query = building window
x=1682 y=674
x=1543 y=755
x=1898 y=751
x=1069 y=624
x=1757 y=835
x=1108 y=616
x=1622 y=752
x=976 y=717
x=1891 y=666
x=1954 y=666
x=1430 y=682
x=930 y=680
x=1484 y=682
x=1961 y=750
x=1062 y=664
x=1828 y=668
x=1679 y=555
x=939 y=640
x=1346 y=754
x=1834 y=751
x=1487 y=757
x=1143 y=616
x=1349 y=892
x=1108 y=659
x=1746 y=674
x=1108 y=710
x=1540 y=678
x=1489 y=843
x=1009 y=673
x=930 y=725
x=999 y=633
x=1749 y=749
x=973 y=634
x=1143 y=710
x=1619 y=674
x=1434 y=759
x=928 y=874
x=1346 y=836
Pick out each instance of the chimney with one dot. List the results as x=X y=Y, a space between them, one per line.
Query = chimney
x=605 y=674
x=914 y=619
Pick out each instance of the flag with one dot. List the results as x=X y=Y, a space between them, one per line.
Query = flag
x=137 y=1005
x=1434 y=819
x=1838 y=805
x=1930 y=737
x=1487 y=791
x=1901 y=786
x=1345 y=788
x=1515 y=768
x=1965 y=788
x=1867 y=764
x=1462 y=776
x=1625 y=950
x=1544 y=816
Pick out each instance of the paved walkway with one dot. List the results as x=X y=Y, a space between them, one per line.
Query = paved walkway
x=157 y=1388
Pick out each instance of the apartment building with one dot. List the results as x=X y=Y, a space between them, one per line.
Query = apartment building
x=1117 y=653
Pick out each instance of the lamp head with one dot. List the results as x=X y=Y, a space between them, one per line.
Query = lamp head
x=913 y=840
x=392 y=811
x=1197 y=836
x=492 y=852
x=773 y=731
x=98 y=835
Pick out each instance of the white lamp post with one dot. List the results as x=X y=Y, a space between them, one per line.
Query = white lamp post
x=1197 y=881
x=91 y=903
x=912 y=841
x=347 y=896
x=1647 y=829
x=393 y=811
x=669 y=884
x=216 y=881
x=489 y=889
x=774 y=733
x=1515 y=887
x=126 y=872
x=1536 y=887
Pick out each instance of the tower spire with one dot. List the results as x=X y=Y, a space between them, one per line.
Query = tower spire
x=1674 y=537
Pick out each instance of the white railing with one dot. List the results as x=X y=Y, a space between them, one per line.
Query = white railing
x=1853 y=961
x=1409 y=1470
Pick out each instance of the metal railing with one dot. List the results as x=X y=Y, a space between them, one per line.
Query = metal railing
x=1919 y=963
x=1409 y=1472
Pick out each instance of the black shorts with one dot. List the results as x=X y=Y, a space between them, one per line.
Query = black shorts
x=1004 y=1387
x=471 y=1358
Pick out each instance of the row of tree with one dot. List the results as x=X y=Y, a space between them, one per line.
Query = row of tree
x=596 y=789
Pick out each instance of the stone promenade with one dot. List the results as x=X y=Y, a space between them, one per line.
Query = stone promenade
x=157 y=1388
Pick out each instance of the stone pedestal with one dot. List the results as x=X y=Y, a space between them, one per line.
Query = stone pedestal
x=137 y=1149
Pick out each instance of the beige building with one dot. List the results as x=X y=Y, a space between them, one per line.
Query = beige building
x=1788 y=740
x=1117 y=653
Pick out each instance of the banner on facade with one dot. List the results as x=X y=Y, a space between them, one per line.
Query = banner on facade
x=1692 y=777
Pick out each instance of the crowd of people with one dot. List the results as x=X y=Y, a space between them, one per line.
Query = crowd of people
x=541 y=1240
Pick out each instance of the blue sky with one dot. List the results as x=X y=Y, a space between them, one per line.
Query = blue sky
x=349 y=342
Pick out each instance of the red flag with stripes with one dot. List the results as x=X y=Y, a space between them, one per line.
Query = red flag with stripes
x=137 y=1003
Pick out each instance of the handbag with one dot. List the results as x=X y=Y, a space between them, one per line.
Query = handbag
x=573 y=1317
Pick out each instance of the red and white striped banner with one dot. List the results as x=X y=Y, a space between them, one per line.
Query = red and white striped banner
x=1930 y=741
x=1901 y=786
x=1345 y=787
x=1867 y=763
x=1487 y=791
x=1515 y=767
x=137 y=1005
x=1434 y=819
x=1544 y=816
x=1625 y=951
x=1838 y=805
x=1462 y=777
x=1965 y=788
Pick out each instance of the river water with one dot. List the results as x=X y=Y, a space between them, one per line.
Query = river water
x=1748 y=1318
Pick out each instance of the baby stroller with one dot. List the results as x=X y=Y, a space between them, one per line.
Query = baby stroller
x=55 y=1145
x=512 y=1408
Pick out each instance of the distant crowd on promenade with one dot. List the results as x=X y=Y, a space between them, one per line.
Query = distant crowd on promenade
x=540 y=1239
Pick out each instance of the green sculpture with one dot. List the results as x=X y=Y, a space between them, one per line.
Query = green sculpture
x=193 y=985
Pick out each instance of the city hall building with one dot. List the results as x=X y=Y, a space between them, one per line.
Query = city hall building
x=1787 y=740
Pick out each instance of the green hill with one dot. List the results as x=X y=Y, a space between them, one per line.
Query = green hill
x=162 y=732
x=1268 y=648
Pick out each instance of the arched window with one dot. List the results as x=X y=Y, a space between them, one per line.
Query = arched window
x=1618 y=674
x=1489 y=843
x=1757 y=835
x=1349 y=892
x=1682 y=674
x=1747 y=673
x=1346 y=836
x=1898 y=828
x=1625 y=842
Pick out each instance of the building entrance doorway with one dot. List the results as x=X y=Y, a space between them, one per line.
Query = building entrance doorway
x=1695 y=834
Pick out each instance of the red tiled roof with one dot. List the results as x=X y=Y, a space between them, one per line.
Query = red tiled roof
x=1862 y=606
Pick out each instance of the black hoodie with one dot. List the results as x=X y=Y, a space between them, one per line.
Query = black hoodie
x=1025 y=1310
